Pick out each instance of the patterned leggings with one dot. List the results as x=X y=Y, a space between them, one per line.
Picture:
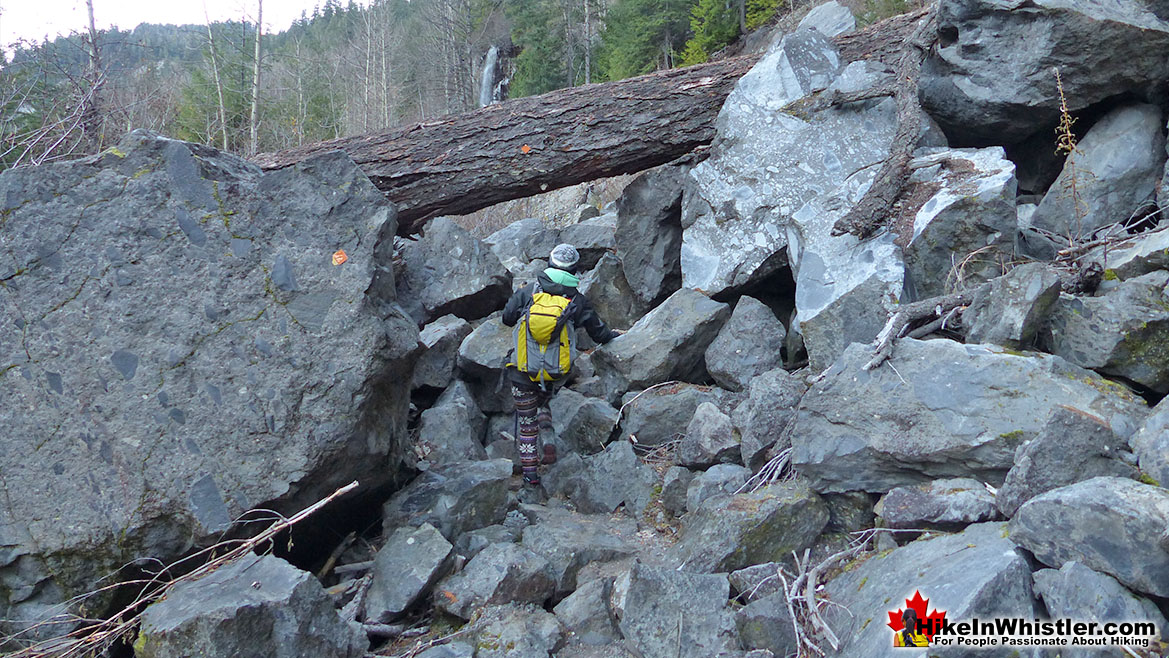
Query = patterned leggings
x=527 y=410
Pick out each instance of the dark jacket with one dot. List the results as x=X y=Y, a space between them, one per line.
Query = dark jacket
x=579 y=311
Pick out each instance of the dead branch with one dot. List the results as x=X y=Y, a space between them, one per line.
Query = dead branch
x=876 y=206
x=335 y=555
x=99 y=637
x=907 y=314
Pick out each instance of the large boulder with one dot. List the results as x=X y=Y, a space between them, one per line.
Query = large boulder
x=500 y=573
x=717 y=480
x=593 y=239
x=570 y=541
x=1071 y=447
x=1124 y=332
x=250 y=607
x=748 y=345
x=178 y=348
x=581 y=424
x=481 y=358
x=767 y=624
x=455 y=498
x=979 y=95
x=947 y=504
x=405 y=569
x=1109 y=524
x=729 y=532
x=1014 y=308
x=1135 y=255
x=663 y=612
x=764 y=417
x=601 y=483
x=1116 y=167
x=453 y=429
x=940 y=409
x=508 y=243
x=658 y=415
x=441 y=338
x=649 y=233
x=587 y=615
x=448 y=270
x=710 y=439
x=611 y=295
x=515 y=631
x=667 y=344
x=1151 y=444
x=977 y=573
x=962 y=233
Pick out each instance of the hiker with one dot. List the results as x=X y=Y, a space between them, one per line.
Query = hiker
x=546 y=315
x=910 y=635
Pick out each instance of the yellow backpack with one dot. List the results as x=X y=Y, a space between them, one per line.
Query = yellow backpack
x=545 y=340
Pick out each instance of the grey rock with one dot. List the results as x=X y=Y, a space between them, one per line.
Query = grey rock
x=508 y=242
x=168 y=382
x=849 y=512
x=586 y=614
x=767 y=624
x=453 y=429
x=453 y=650
x=405 y=569
x=1124 y=333
x=569 y=541
x=662 y=612
x=830 y=19
x=757 y=581
x=748 y=345
x=441 y=338
x=710 y=439
x=979 y=96
x=948 y=410
x=500 y=573
x=963 y=232
x=611 y=295
x=516 y=631
x=581 y=424
x=649 y=233
x=1106 y=523
x=482 y=357
x=974 y=573
x=1015 y=307
x=1118 y=165
x=1151 y=444
x=448 y=270
x=659 y=415
x=469 y=544
x=617 y=650
x=716 y=480
x=601 y=483
x=1076 y=592
x=763 y=418
x=946 y=504
x=667 y=344
x=252 y=606
x=454 y=498
x=1133 y=256
x=729 y=532
x=675 y=482
x=1072 y=446
x=593 y=239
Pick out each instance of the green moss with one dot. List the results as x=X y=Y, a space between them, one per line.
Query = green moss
x=1110 y=275
x=1013 y=435
x=862 y=583
x=113 y=150
x=1149 y=479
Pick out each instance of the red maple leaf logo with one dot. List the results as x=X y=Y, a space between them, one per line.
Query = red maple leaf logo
x=931 y=622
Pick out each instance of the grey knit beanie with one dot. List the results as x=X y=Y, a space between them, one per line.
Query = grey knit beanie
x=564 y=257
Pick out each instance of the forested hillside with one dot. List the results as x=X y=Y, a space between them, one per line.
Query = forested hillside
x=344 y=70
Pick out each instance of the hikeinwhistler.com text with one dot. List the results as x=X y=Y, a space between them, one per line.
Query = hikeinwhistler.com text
x=1019 y=632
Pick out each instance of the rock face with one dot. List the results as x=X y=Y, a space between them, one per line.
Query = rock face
x=1151 y=444
x=452 y=430
x=748 y=345
x=952 y=411
x=1118 y=167
x=953 y=504
x=979 y=96
x=963 y=232
x=253 y=606
x=1076 y=592
x=991 y=579
x=649 y=233
x=446 y=271
x=729 y=532
x=137 y=424
x=1111 y=525
x=611 y=295
x=766 y=413
x=666 y=344
x=662 y=612
x=1123 y=333
x=1072 y=446
x=1017 y=305
x=412 y=560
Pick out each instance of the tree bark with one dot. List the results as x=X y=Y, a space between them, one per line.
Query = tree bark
x=254 y=119
x=461 y=163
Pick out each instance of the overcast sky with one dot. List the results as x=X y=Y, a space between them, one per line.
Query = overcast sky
x=36 y=19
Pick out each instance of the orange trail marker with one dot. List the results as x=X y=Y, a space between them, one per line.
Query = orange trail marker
x=339 y=257
x=525 y=149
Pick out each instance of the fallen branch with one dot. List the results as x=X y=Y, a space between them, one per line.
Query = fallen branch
x=355 y=567
x=907 y=314
x=99 y=637
x=336 y=555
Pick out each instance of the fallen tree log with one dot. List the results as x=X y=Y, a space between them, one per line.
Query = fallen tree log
x=461 y=163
